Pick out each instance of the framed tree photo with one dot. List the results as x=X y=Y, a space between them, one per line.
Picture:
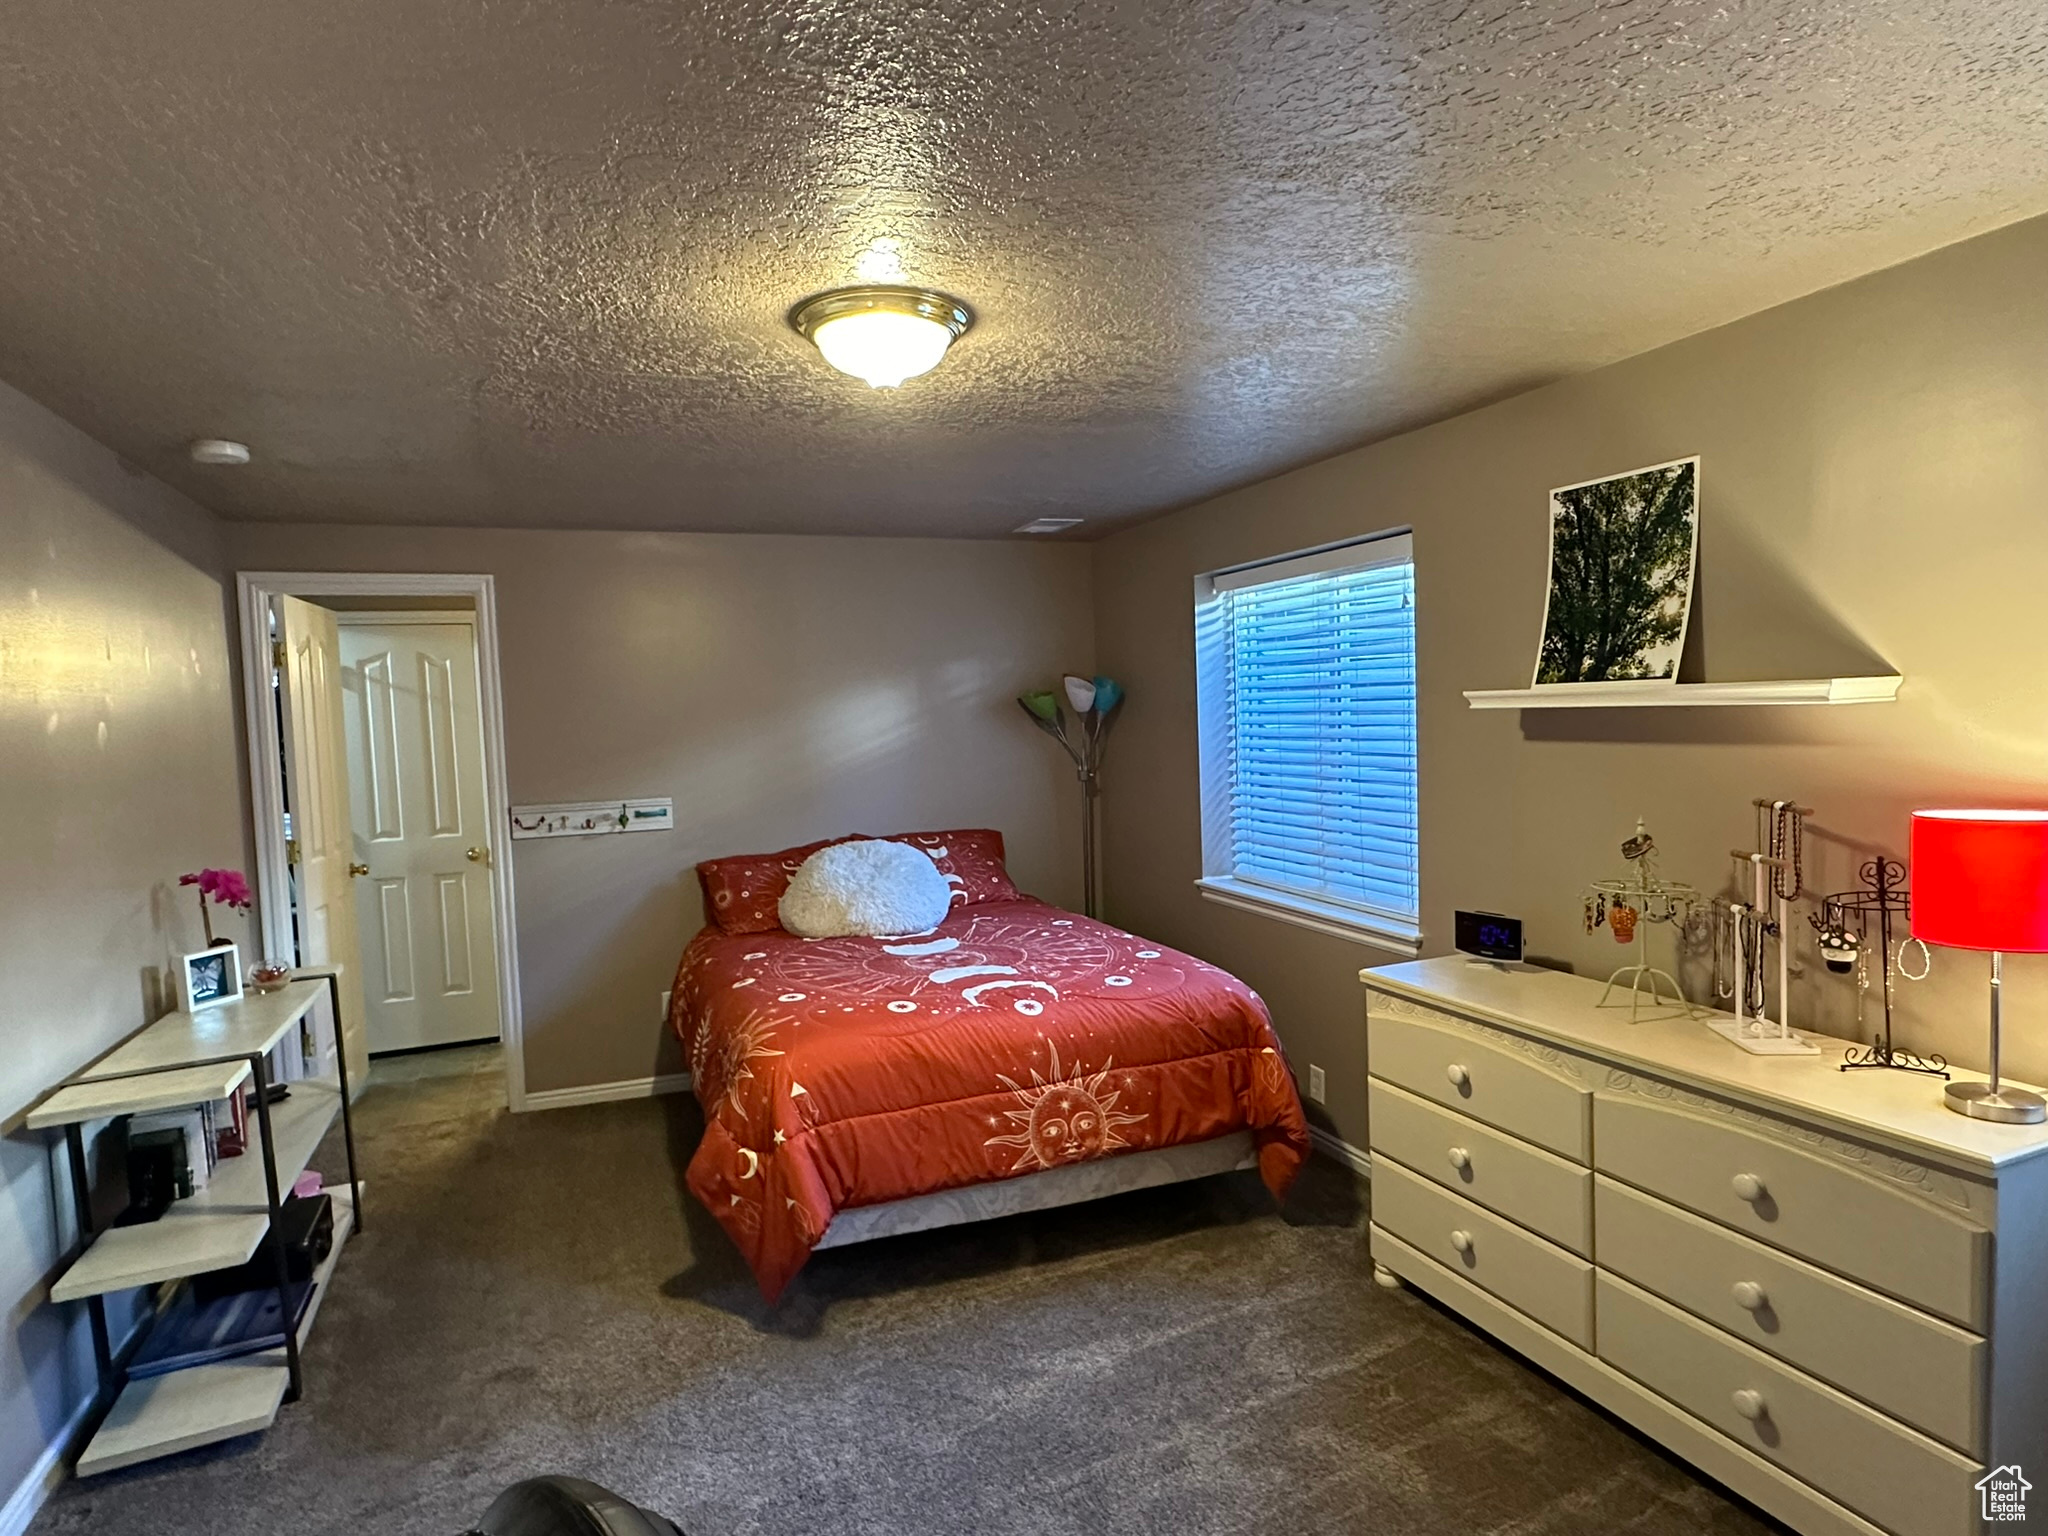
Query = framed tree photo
x=1623 y=551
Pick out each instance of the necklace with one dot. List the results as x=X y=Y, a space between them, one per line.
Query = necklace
x=1786 y=842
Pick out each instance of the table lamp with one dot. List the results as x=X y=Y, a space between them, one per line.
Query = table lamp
x=1980 y=881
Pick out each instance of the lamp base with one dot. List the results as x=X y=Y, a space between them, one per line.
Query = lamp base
x=2013 y=1106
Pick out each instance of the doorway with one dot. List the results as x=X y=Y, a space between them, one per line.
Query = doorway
x=377 y=776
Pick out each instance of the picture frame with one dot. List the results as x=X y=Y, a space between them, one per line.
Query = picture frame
x=209 y=978
x=1624 y=562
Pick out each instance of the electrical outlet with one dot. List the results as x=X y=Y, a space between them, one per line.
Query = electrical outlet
x=664 y=1007
x=1316 y=1082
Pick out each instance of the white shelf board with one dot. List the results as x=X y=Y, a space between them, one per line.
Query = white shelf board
x=249 y=1027
x=220 y=1225
x=1656 y=693
x=160 y=1415
x=139 y=1095
x=181 y=1411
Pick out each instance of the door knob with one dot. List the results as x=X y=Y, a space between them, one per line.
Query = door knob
x=359 y=869
x=477 y=855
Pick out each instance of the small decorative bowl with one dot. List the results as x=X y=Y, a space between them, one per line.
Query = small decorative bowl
x=269 y=977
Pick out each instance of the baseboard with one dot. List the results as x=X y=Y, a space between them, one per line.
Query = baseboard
x=604 y=1093
x=28 y=1497
x=1332 y=1145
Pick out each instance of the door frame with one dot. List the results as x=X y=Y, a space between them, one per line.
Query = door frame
x=254 y=592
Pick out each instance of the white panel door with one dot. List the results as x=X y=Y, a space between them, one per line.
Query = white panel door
x=316 y=793
x=416 y=791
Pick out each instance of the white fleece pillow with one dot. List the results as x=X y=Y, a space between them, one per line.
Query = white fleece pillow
x=868 y=886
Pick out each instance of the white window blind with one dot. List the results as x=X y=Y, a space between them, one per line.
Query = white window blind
x=1307 y=697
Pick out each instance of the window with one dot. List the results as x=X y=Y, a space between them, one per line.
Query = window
x=1306 y=686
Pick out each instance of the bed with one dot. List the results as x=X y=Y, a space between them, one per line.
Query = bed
x=1014 y=1057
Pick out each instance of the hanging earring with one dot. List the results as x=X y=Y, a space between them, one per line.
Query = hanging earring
x=1590 y=924
x=1838 y=948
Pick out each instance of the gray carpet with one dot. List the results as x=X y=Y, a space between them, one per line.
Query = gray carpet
x=538 y=1293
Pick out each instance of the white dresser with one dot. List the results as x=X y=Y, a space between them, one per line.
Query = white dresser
x=1822 y=1288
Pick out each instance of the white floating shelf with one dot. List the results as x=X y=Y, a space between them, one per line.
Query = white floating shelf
x=1658 y=694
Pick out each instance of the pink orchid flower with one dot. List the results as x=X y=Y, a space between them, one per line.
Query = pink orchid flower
x=227 y=886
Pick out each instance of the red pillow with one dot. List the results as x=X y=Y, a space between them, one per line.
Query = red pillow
x=972 y=862
x=742 y=893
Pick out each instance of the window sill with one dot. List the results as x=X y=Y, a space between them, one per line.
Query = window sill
x=1307 y=912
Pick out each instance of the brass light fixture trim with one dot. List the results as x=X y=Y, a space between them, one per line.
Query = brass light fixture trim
x=926 y=303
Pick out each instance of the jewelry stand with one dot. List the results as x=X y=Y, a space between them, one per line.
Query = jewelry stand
x=1756 y=1032
x=1654 y=901
x=1882 y=896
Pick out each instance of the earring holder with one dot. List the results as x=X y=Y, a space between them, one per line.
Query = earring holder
x=1655 y=901
x=1883 y=895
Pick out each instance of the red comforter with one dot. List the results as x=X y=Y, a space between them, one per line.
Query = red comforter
x=845 y=1072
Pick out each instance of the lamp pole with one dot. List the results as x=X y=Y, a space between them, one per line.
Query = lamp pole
x=1997 y=993
x=1090 y=903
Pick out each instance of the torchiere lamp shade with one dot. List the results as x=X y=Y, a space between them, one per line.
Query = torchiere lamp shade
x=1980 y=879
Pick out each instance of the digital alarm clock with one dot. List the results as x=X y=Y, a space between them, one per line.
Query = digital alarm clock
x=1489 y=935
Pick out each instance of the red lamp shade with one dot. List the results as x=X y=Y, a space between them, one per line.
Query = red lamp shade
x=1980 y=879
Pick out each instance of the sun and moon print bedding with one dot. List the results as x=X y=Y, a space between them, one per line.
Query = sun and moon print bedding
x=1012 y=1038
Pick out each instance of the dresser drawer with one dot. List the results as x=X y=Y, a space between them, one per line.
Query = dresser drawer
x=1539 y=1189
x=1463 y=1070
x=1536 y=1278
x=1858 y=1224
x=1915 y=1367
x=1898 y=1478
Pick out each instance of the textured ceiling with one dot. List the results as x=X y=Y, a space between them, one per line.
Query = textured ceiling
x=526 y=262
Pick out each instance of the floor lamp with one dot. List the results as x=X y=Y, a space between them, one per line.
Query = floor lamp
x=1094 y=703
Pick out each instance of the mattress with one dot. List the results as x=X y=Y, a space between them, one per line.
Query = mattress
x=1014 y=1039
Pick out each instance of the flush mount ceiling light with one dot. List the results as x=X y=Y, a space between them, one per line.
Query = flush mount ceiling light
x=882 y=334
x=218 y=450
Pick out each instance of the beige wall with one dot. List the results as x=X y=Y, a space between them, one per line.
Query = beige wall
x=780 y=689
x=118 y=757
x=1874 y=489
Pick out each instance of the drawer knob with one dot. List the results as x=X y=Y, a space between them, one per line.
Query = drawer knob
x=1459 y=1077
x=1749 y=1187
x=1462 y=1241
x=1750 y=1296
x=1750 y=1404
x=1460 y=1159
